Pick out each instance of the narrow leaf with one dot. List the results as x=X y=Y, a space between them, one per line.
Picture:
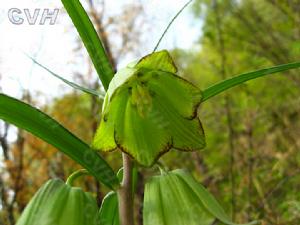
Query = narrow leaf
x=239 y=79
x=90 y=39
x=43 y=126
x=71 y=84
x=170 y=23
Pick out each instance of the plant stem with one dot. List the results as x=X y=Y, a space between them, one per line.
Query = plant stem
x=125 y=193
x=75 y=175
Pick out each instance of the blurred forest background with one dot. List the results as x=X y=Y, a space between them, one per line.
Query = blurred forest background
x=251 y=163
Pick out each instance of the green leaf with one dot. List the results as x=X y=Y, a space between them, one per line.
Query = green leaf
x=239 y=79
x=91 y=40
x=43 y=126
x=71 y=84
x=170 y=23
x=109 y=211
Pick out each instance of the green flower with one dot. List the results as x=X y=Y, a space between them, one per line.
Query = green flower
x=176 y=198
x=148 y=110
x=57 y=203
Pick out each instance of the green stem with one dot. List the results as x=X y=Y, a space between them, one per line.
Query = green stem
x=75 y=175
x=161 y=167
x=125 y=193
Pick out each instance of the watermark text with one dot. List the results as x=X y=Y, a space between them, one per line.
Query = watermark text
x=33 y=16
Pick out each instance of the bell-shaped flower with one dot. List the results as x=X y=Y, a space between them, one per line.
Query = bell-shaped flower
x=148 y=110
x=57 y=203
x=176 y=198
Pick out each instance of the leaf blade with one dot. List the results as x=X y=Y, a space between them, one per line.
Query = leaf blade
x=91 y=40
x=239 y=79
x=43 y=126
x=71 y=84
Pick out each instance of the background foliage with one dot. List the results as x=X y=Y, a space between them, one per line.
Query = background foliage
x=251 y=162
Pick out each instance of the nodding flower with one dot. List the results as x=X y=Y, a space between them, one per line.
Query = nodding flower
x=148 y=110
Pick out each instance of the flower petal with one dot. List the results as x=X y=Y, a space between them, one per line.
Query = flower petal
x=182 y=95
x=140 y=136
x=158 y=61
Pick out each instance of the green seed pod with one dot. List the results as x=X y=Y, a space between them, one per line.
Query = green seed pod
x=176 y=198
x=57 y=203
x=148 y=110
